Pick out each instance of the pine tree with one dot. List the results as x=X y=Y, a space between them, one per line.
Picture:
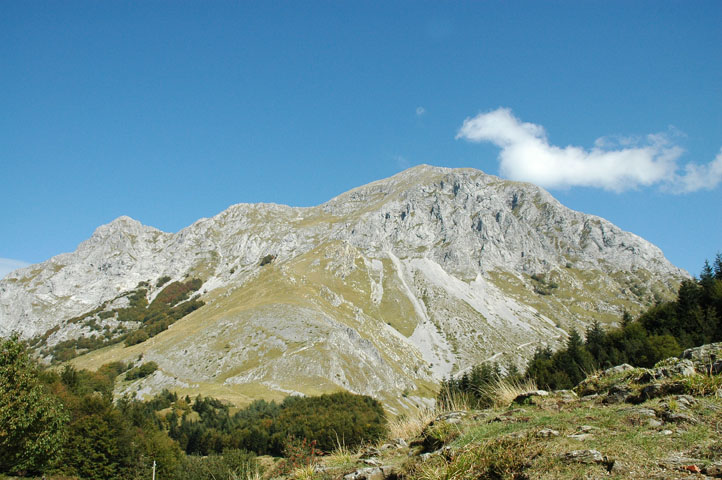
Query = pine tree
x=626 y=318
x=596 y=343
x=707 y=273
x=706 y=281
x=718 y=266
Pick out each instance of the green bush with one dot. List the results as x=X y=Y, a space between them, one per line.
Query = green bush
x=32 y=420
x=136 y=337
x=327 y=419
x=265 y=427
x=231 y=464
x=176 y=292
x=142 y=371
x=267 y=259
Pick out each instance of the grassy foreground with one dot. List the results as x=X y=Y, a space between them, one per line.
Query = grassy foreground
x=660 y=423
x=675 y=433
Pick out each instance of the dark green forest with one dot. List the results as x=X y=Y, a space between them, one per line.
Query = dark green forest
x=665 y=330
x=66 y=423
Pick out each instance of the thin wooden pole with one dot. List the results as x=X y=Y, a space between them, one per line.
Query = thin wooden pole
x=153 y=469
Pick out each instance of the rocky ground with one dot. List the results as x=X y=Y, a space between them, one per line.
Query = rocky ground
x=660 y=423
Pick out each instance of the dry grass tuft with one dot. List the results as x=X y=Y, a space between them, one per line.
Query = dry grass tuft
x=496 y=458
x=411 y=424
x=304 y=473
x=429 y=471
x=503 y=391
x=454 y=401
x=341 y=457
x=252 y=473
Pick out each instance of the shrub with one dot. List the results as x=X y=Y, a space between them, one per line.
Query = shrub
x=176 y=292
x=267 y=259
x=701 y=385
x=298 y=454
x=356 y=419
x=136 y=337
x=142 y=371
x=230 y=465
x=32 y=421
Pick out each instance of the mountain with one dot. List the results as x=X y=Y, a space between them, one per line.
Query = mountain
x=383 y=290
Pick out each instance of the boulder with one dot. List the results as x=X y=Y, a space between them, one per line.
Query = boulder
x=527 y=396
x=618 y=394
x=373 y=473
x=618 y=468
x=651 y=391
x=681 y=368
x=583 y=456
x=685 y=401
x=669 y=368
x=704 y=355
x=547 y=432
x=641 y=411
x=618 y=369
x=679 y=418
x=451 y=417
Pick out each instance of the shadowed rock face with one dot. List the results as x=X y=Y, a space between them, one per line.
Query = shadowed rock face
x=387 y=286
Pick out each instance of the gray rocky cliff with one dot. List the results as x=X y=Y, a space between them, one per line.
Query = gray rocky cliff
x=430 y=270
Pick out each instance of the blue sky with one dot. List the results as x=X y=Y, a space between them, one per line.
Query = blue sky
x=171 y=111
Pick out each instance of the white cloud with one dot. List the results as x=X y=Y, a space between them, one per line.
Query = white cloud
x=700 y=177
x=420 y=111
x=7 y=265
x=615 y=164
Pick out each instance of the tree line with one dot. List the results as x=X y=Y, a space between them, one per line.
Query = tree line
x=265 y=427
x=664 y=330
x=65 y=422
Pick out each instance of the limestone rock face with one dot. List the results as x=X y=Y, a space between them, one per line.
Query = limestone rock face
x=389 y=286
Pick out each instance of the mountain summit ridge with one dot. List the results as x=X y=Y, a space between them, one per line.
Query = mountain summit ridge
x=421 y=274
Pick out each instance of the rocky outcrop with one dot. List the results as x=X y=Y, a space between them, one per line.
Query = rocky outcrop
x=707 y=358
x=626 y=384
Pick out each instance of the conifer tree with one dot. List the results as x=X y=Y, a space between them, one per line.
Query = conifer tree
x=718 y=266
x=596 y=343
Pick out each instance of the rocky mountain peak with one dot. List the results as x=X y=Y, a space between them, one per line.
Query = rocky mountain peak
x=387 y=286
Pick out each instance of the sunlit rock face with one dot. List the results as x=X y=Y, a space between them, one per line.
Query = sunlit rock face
x=386 y=288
